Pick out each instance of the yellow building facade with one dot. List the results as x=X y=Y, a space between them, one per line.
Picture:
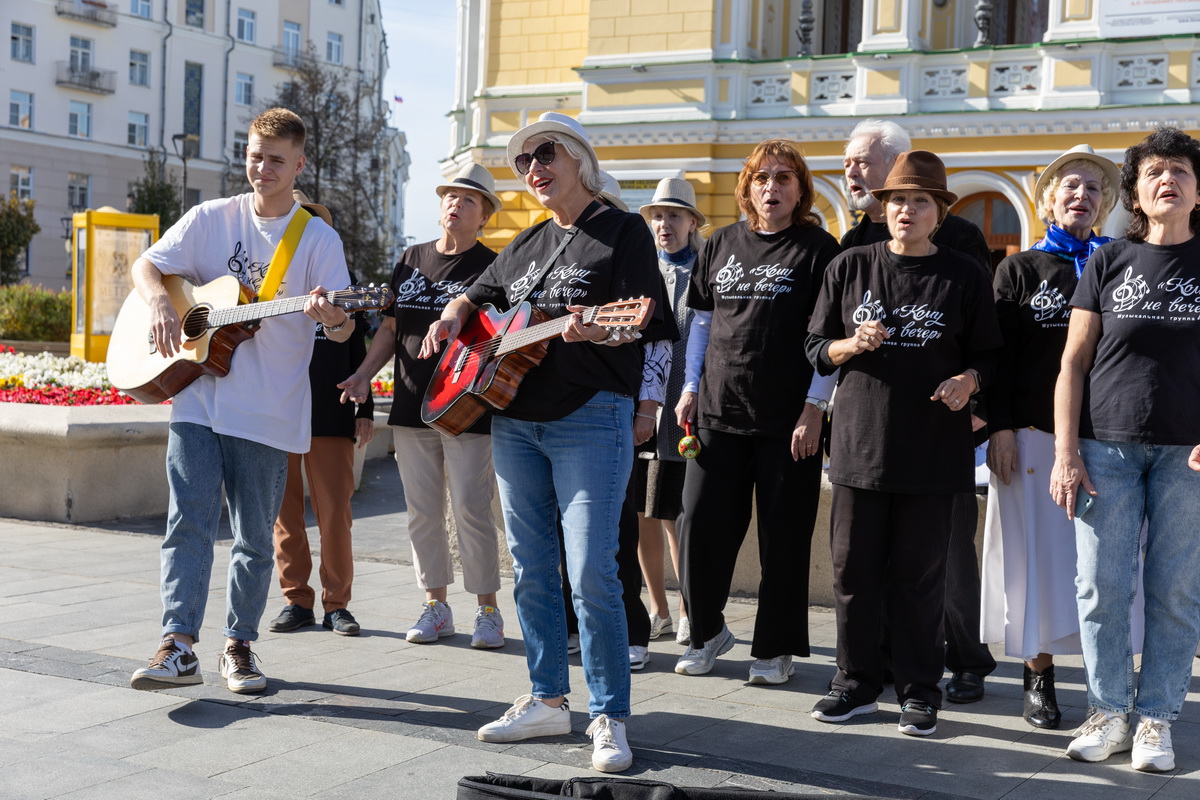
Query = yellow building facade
x=686 y=88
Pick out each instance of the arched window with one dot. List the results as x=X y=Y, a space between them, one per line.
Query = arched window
x=994 y=215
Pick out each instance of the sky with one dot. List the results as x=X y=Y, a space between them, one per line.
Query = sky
x=421 y=54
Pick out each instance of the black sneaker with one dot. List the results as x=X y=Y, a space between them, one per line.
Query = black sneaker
x=837 y=706
x=917 y=718
x=341 y=621
x=292 y=617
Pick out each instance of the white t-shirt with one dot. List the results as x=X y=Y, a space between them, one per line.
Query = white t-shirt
x=265 y=397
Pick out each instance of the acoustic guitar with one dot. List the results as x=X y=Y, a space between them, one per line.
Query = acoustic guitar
x=215 y=318
x=484 y=366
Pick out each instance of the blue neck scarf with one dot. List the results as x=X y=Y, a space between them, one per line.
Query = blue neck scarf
x=1064 y=245
x=680 y=257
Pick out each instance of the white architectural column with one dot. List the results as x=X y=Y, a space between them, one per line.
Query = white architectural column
x=893 y=25
x=1073 y=19
x=732 y=27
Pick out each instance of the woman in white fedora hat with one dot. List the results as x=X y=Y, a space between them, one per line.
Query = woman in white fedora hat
x=1028 y=599
x=565 y=444
x=426 y=278
x=658 y=472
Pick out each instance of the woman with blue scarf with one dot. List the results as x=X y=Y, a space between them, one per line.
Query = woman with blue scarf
x=1029 y=544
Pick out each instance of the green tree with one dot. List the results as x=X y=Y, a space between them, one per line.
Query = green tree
x=157 y=191
x=17 y=229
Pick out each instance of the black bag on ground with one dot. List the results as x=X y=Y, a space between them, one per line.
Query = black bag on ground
x=518 y=787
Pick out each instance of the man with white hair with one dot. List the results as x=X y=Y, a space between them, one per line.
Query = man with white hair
x=871 y=151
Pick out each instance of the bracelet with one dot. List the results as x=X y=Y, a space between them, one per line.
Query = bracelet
x=645 y=416
x=336 y=328
x=974 y=376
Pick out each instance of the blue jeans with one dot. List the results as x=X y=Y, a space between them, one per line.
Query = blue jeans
x=578 y=465
x=1135 y=481
x=199 y=461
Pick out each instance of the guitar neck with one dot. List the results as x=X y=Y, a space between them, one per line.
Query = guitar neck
x=248 y=312
x=515 y=340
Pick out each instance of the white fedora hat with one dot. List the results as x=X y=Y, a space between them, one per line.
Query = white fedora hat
x=476 y=177
x=611 y=193
x=676 y=193
x=1080 y=152
x=551 y=122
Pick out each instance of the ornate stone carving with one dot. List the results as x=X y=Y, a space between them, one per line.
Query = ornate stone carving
x=832 y=87
x=948 y=81
x=775 y=90
x=1140 y=72
x=1012 y=79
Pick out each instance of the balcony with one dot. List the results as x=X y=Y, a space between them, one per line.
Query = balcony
x=289 y=58
x=93 y=11
x=100 y=81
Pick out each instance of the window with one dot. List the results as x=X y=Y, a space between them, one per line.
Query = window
x=194 y=13
x=333 y=48
x=81 y=54
x=140 y=8
x=291 y=39
x=78 y=190
x=336 y=2
x=20 y=182
x=139 y=68
x=79 y=119
x=22 y=42
x=243 y=93
x=20 y=109
x=139 y=128
x=193 y=96
x=245 y=25
x=240 y=142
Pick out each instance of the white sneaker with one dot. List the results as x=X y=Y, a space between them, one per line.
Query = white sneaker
x=660 y=625
x=528 y=717
x=772 y=671
x=489 y=629
x=1152 y=750
x=699 y=660
x=610 y=749
x=639 y=657
x=436 y=622
x=171 y=666
x=573 y=645
x=1100 y=736
x=683 y=636
x=239 y=668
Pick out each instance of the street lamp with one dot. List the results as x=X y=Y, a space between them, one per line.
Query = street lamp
x=184 y=153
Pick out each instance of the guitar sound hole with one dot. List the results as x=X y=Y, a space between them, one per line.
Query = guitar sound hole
x=195 y=322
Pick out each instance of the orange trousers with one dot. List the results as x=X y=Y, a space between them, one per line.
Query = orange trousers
x=329 y=465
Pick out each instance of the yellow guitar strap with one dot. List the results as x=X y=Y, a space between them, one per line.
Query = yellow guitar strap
x=283 y=254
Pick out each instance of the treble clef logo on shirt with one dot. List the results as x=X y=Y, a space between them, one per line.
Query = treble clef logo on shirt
x=1130 y=291
x=410 y=288
x=1046 y=303
x=868 y=310
x=518 y=287
x=728 y=275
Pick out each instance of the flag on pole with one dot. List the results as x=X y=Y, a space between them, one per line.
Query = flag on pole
x=398 y=98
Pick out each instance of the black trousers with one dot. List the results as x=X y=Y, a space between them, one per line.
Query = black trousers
x=629 y=573
x=889 y=550
x=718 y=487
x=964 y=651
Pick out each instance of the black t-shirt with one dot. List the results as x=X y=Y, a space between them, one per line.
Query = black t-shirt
x=612 y=258
x=424 y=281
x=1033 y=291
x=887 y=434
x=955 y=232
x=1146 y=375
x=331 y=363
x=761 y=288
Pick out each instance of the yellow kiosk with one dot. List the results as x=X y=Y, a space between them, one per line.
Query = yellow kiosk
x=104 y=244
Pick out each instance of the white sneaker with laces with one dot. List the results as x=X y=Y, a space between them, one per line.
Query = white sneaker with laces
x=573 y=645
x=489 y=629
x=683 y=636
x=528 y=718
x=639 y=657
x=610 y=748
x=1100 y=736
x=699 y=660
x=1152 y=751
x=239 y=668
x=771 y=671
x=660 y=625
x=171 y=666
x=436 y=622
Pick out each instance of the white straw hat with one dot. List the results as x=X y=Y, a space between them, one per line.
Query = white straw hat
x=611 y=193
x=551 y=122
x=675 y=193
x=1080 y=152
x=476 y=177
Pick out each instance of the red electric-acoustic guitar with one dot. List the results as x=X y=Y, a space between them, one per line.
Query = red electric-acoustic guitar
x=485 y=365
x=215 y=318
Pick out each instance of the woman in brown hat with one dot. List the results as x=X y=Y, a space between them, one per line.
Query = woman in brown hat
x=912 y=327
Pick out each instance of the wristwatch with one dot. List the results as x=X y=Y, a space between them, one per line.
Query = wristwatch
x=822 y=405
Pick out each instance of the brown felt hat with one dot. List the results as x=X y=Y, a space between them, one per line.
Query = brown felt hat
x=316 y=209
x=920 y=170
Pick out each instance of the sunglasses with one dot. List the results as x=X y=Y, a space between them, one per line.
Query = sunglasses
x=544 y=153
x=782 y=178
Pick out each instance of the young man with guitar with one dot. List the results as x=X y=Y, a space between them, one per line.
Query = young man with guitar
x=236 y=431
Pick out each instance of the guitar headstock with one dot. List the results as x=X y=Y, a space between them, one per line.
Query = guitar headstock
x=362 y=298
x=627 y=314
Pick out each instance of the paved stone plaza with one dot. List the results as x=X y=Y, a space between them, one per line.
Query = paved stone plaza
x=375 y=716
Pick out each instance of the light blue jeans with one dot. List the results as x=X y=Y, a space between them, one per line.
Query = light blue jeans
x=578 y=465
x=199 y=461
x=1136 y=481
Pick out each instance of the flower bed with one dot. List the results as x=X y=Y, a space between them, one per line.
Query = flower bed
x=384 y=383
x=51 y=380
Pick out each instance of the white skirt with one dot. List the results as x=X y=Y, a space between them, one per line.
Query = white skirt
x=1028 y=575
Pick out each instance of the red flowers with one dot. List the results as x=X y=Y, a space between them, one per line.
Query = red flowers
x=64 y=396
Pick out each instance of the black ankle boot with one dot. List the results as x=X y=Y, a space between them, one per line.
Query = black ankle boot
x=1041 y=704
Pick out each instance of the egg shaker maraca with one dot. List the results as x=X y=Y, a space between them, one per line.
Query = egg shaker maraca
x=689 y=445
